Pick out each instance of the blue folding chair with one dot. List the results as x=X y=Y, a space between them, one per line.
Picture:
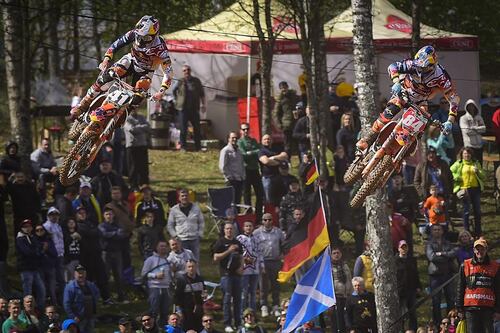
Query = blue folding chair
x=219 y=201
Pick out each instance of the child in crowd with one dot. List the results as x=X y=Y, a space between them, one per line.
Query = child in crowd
x=434 y=208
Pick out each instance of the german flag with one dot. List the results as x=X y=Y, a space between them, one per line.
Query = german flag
x=306 y=242
x=312 y=174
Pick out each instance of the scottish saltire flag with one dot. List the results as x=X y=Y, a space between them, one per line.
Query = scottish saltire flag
x=313 y=295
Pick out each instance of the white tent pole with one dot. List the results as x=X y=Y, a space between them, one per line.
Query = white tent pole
x=249 y=76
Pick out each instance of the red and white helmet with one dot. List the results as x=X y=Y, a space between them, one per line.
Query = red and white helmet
x=146 y=30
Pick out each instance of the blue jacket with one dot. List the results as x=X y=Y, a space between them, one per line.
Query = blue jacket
x=73 y=301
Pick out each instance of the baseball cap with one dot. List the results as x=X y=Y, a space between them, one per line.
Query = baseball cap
x=481 y=241
x=85 y=184
x=53 y=210
x=27 y=221
x=248 y=311
x=80 y=268
x=124 y=321
x=402 y=242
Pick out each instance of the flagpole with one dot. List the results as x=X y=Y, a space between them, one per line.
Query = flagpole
x=321 y=196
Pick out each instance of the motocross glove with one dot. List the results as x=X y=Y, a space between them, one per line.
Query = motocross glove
x=447 y=128
x=396 y=88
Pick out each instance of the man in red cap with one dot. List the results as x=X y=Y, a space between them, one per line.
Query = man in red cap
x=478 y=290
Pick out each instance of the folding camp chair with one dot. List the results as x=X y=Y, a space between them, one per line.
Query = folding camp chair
x=219 y=201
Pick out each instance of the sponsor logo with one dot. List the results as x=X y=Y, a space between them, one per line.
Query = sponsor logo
x=480 y=296
x=233 y=47
x=397 y=23
x=286 y=24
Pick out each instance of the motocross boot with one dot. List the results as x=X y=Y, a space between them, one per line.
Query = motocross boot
x=369 y=138
x=82 y=106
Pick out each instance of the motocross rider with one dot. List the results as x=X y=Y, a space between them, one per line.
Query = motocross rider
x=423 y=79
x=148 y=51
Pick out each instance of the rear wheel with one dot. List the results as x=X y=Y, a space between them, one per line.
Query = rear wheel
x=374 y=180
x=354 y=171
x=79 y=158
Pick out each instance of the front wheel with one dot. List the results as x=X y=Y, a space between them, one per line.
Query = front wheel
x=79 y=158
x=374 y=180
x=354 y=171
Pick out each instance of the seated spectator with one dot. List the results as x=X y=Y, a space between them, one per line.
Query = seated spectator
x=15 y=323
x=4 y=310
x=346 y=136
x=10 y=163
x=29 y=313
x=50 y=319
x=71 y=326
x=250 y=323
x=468 y=182
x=438 y=141
x=208 y=324
x=186 y=223
x=111 y=237
x=80 y=300
x=156 y=269
x=45 y=166
x=148 y=324
x=188 y=297
x=86 y=199
x=125 y=325
x=360 y=313
x=174 y=324
x=294 y=198
x=435 y=208
x=29 y=255
x=309 y=326
x=150 y=202
x=148 y=235
x=465 y=249
x=472 y=126
x=178 y=256
x=72 y=239
x=47 y=262
x=104 y=181
x=25 y=200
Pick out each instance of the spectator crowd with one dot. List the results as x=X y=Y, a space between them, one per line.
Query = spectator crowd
x=73 y=244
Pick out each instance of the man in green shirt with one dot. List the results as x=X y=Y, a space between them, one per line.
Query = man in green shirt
x=249 y=147
x=14 y=321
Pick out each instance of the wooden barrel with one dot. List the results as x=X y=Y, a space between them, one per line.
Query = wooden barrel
x=160 y=132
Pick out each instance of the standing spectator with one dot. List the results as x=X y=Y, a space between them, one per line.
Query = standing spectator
x=227 y=252
x=188 y=297
x=441 y=255
x=433 y=171
x=403 y=198
x=441 y=115
x=360 y=313
x=411 y=162
x=156 y=270
x=29 y=254
x=283 y=114
x=10 y=163
x=86 y=199
x=148 y=235
x=343 y=288
x=14 y=323
x=178 y=256
x=281 y=183
x=71 y=248
x=269 y=164
x=47 y=262
x=346 y=136
x=55 y=230
x=124 y=219
x=302 y=129
x=294 y=198
x=148 y=324
x=25 y=200
x=305 y=165
x=208 y=324
x=91 y=253
x=188 y=93
x=270 y=241
x=64 y=203
x=478 y=290
x=186 y=222
x=408 y=283
x=250 y=148
x=232 y=167
x=252 y=264
x=111 y=237
x=45 y=166
x=105 y=180
x=136 y=144
x=302 y=81
x=434 y=206
x=439 y=141
x=472 y=126
x=363 y=267
x=80 y=300
x=468 y=182
x=150 y=202
x=465 y=248
x=400 y=227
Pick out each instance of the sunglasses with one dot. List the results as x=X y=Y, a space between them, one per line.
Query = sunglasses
x=267 y=219
x=186 y=70
x=245 y=129
x=146 y=319
x=208 y=320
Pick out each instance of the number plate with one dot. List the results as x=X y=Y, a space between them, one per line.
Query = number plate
x=118 y=97
x=414 y=121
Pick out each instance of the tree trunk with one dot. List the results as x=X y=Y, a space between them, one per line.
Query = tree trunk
x=53 y=22
x=76 y=39
x=95 y=31
x=379 y=236
x=266 y=65
x=17 y=71
x=415 y=31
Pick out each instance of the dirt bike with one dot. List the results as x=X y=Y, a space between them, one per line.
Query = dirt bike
x=107 y=112
x=396 y=141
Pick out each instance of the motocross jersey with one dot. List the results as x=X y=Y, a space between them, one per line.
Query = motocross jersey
x=422 y=86
x=148 y=58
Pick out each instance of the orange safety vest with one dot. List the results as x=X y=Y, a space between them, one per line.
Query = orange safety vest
x=479 y=287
